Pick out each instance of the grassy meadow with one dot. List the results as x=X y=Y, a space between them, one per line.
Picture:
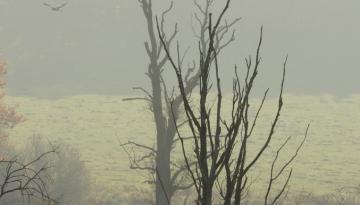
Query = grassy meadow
x=97 y=125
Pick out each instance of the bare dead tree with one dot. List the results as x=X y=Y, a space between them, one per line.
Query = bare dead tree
x=171 y=172
x=24 y=180
x=221 y=146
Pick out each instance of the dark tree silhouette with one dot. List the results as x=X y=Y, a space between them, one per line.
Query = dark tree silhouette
x=220 y=146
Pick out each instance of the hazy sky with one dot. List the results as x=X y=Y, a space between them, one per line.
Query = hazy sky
x=96 y=46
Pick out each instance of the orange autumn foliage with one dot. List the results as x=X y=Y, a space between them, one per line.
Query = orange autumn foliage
x=8 y=115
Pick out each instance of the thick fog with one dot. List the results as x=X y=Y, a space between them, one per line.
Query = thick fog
x=96 y=47
x=97 y=108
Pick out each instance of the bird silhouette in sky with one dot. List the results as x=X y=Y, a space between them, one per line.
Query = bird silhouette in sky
x=55 y=8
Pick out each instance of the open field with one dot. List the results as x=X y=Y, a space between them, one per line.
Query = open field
x=98 y=124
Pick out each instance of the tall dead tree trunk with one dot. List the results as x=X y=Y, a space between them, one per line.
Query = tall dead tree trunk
x=163 y=141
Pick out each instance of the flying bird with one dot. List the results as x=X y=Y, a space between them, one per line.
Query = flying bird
x=55 y=8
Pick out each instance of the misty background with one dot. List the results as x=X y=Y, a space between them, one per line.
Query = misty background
x=96 y=47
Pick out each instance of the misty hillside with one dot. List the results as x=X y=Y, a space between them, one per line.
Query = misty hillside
x=97 y=125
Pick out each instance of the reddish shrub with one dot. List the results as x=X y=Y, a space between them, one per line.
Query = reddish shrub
x=8 y=115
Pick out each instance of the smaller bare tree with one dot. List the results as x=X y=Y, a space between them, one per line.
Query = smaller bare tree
x=22 y=180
